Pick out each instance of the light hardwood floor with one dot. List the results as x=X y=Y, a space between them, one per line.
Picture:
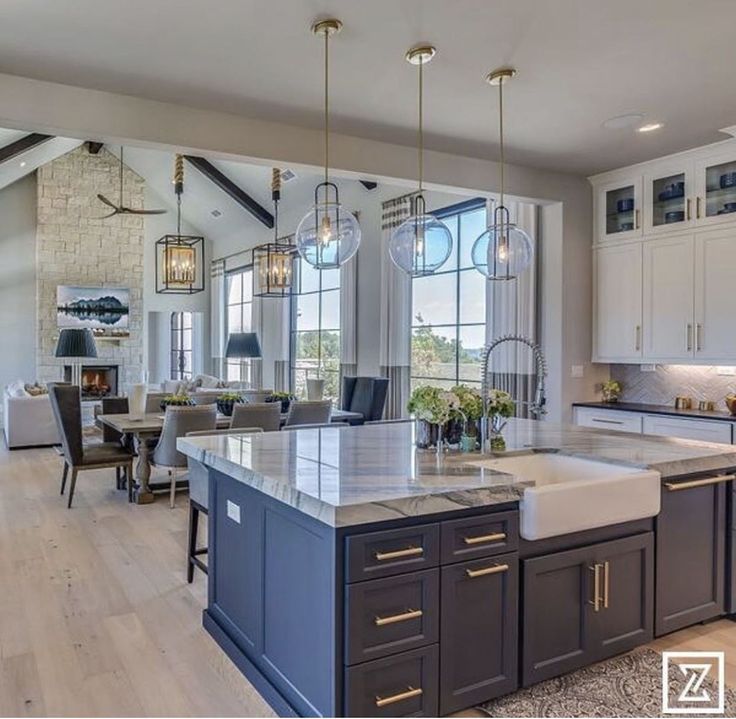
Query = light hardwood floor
x=96 y=617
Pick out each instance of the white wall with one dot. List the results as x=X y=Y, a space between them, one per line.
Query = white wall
x=18 y=281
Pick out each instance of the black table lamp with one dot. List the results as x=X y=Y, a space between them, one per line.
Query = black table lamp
x=76 y=344
x=243 y=346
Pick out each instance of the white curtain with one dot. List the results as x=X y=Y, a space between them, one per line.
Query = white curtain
x=511 y=309
x=217 y=317
x=257 y=310
x=395 y=355
x=348 y=317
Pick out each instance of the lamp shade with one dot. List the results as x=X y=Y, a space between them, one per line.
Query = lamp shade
x=242 y=345
x=76 y=343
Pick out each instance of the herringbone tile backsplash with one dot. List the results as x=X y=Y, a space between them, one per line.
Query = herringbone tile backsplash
x=669 y=381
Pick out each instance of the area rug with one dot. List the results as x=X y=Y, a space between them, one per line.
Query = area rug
x=625 y=686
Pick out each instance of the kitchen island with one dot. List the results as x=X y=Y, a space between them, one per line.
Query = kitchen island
x=350 y=574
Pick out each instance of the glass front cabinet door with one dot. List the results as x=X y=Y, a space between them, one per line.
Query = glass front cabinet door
x=619 y=209
x=668 y=199
x=716 y=189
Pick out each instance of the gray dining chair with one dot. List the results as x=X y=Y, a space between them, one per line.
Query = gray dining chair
x=178 y=422
x=327 y=425
x=153 y=402
x=266 y=415
x=66 y=405
x=256 y=396
x=199 y=490
x=115 y=405
x=310 y=412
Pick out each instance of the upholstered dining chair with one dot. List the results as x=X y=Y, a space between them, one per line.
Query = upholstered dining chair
x=178 y=422
x=115 y=405
x=266 y=415
x=310 y=412
x=153 y=402
x=326 y=425
x=66 y=405
x=199 y=490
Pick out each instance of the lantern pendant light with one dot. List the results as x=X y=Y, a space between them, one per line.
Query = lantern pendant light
x=504 y=250
x=274 y=262
x=421 y=244
x=328 y=235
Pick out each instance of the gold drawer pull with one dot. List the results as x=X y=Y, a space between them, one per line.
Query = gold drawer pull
x=498 y=537
x=410 y=693
x=692 y=484
x=596 y=601
x=606 y=583
x=394 y=618
x=495 y=569
x=399 y=553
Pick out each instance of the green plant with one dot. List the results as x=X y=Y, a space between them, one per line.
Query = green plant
x=433 y=404
x=500 y=403
x=279 y=396
x=471 y=402
x=177 y=400
x=611 y=389
x=228 y=397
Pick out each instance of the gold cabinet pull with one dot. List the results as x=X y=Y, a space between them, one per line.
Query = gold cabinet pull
x=395 y=618
x=697 y=207
x=687 y=204
x=399 y=553
x=637 y=215
x=694 y=483
x=596 y=601
x=606 y=583
x=498 y=537
x=410 y=693
x=689 y=337
x=495 y=569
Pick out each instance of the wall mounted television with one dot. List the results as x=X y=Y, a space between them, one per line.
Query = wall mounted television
x=104 y=310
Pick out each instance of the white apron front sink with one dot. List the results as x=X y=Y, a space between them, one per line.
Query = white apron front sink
x=571 y=494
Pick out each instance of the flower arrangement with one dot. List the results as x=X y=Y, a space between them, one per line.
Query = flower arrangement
x=500 y=404
x=285 y=398
x=432 y=404
x=471 y=402
x=611 y=390
x=226 y=401
x=176 y=400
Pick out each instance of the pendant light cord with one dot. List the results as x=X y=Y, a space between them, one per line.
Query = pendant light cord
x=178 y=189
x=420 y=143
x=500 y=132
x=327 y=104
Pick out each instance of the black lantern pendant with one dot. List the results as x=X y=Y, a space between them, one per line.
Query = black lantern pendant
x=273 y=263
x=179 y=258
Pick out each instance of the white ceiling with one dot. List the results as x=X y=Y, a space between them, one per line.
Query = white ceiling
x=580 y=62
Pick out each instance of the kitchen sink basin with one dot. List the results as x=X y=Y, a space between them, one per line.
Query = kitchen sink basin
x=572 y=494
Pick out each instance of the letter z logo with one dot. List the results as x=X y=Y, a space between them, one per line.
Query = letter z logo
x=690 y=670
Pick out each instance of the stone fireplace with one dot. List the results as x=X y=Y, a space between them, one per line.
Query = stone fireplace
x=98 y=381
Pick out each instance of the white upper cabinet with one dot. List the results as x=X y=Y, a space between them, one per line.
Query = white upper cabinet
x=668 y=320
x=618 y=311
x=618 y=208
x=715 y=305
x=715 y=177
x=669 y=197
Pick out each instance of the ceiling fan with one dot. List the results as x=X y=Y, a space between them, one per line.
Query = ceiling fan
x=120 y=208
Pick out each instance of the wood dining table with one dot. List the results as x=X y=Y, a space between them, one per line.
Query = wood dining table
x=141 y=431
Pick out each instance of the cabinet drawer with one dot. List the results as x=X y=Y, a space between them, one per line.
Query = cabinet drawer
x=483 y=536
x=383 y=554
x=613 y=420
x=706 y=430
x=391 y=615
x=402 y=685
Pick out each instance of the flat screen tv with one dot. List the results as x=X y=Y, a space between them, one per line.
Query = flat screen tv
x=104 y=310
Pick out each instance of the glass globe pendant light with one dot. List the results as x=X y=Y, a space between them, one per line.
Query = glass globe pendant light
x=504 y=250
x=422 y=243
x=328 y=235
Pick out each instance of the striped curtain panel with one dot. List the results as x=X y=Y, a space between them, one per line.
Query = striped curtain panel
x=217 y=317
x=511 y=308
x=395 y=354
x=349 y=318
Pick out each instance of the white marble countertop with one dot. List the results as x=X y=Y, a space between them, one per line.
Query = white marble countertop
x=353 y=475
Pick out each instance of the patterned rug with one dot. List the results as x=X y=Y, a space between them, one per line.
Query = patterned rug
x=625 y=686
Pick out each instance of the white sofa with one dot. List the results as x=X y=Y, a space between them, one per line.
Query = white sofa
x=29 y=421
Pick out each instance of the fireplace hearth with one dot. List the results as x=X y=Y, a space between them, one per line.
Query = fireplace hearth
x=98 y=381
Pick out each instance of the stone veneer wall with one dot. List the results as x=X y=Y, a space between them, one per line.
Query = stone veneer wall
x=668 y=381
x=75 y=247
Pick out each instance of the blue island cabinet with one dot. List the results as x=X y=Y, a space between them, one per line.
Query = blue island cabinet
x=411 y=617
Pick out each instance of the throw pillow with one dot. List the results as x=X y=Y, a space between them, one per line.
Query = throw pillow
x=17 y=389
x=207 y=381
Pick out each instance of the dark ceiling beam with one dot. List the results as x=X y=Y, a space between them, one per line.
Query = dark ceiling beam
x=369 y=184
x=28 y=142
x=94 y=147
x=231 y=189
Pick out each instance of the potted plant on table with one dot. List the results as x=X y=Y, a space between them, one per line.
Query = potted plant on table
x=285 y=398
x=611 y=390
x=433 y=408
x=470 y=411
x=500 y=407
x=226 y=401
x=176 y=400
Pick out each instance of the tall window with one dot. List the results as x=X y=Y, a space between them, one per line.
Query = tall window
x=315 y=336
x=448 y=308
x=181 y=345
x=239 y=288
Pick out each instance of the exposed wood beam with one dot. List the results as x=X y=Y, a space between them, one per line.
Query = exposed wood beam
x=94 y=147
x=23 y=145
x=231 y=189
x=369 y=184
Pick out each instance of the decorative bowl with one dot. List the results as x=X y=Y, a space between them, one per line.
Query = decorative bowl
x=670 y=192
x=674 y=216
x=731 y=403
x=627 y=204
x=728 y=180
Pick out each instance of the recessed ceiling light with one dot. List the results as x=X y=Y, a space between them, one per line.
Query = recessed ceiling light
x=621 y=121
x=650 y=127
x=23 y=164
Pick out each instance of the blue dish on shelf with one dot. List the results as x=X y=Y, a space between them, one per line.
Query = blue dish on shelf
x=674 y=216
x=625 y=205
x=625 y=226
x=728 y=180
x=672 y=191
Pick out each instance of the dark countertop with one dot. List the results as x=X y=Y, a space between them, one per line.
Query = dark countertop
x=721 y=415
